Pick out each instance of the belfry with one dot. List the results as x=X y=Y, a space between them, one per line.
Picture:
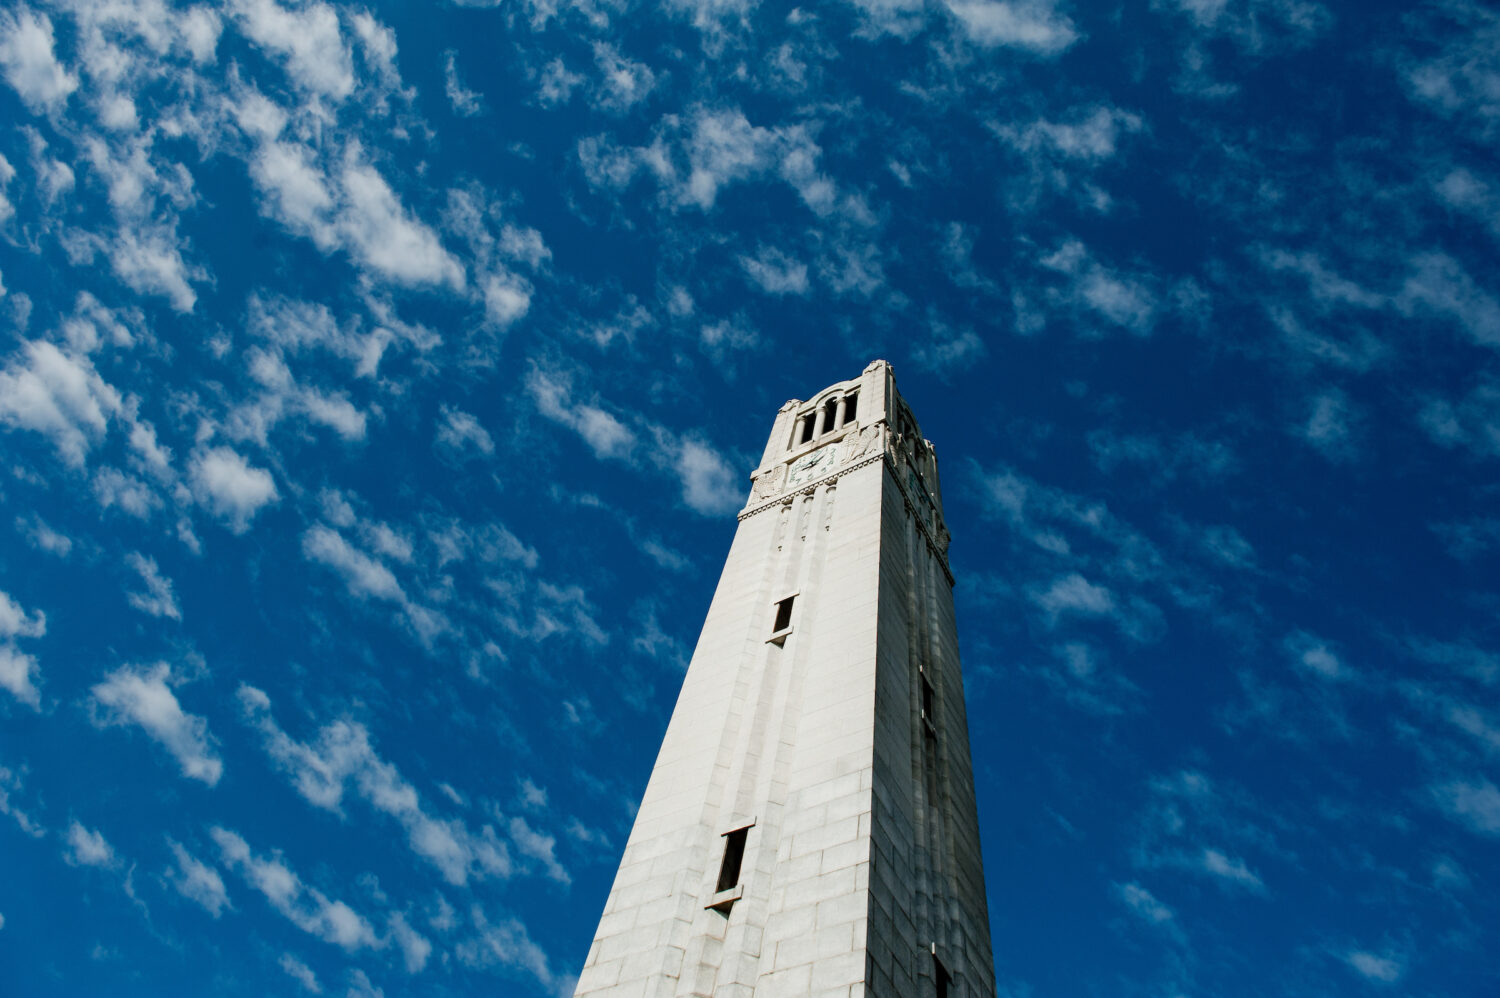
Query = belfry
x=809 y=828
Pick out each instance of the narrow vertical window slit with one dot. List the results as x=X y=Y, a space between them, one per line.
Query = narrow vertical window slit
x=734 y=857
x=783 y=614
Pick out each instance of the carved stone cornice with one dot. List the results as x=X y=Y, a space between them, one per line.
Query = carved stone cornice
x=938 y=550
x=809 y=488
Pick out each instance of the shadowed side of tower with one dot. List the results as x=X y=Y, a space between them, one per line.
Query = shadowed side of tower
x=809 y=827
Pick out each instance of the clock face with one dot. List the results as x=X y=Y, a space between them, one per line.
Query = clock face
x=811 y=466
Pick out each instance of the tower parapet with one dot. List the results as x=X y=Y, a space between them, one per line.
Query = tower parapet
x=842 y=428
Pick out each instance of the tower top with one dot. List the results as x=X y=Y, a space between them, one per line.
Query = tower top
x=843 y=427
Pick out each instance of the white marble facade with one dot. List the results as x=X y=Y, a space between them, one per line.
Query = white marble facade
x=825 y=738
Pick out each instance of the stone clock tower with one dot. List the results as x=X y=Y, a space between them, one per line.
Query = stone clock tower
x=809 y=828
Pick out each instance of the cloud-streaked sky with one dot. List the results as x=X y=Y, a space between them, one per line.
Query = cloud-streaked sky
x=379 y=384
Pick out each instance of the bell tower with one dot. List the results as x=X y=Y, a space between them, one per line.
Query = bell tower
x=809 y=828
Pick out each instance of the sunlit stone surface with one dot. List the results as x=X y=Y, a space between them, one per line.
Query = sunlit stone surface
x=820 y=729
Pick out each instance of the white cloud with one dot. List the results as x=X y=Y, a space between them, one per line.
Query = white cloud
x=366 y=577
x=40 y=535
x=297 y=326
x=607 y=166
x=775 y=272
x=1330 y=426
x=1073 y=593
x=11 y=782
x=1144 y=903
x=538 y=846
x=1123 y=299
x=378 y=44
x=709 y=485
x=509 y=945
x=533 y=797
x=382 y=234
x=141 y=696
x=357 y=211
x=305 y=907
x=150 y=261
x=1448 y=875
x=54 y=178
x=112 y=487
x=1440 y=284
x=557 y=84
x=1324 y=284
x=1372 y=967
x=604 y=434
x=720 y=339
x=1085 y=684
x=524 y=244
x=1314 y=655
x=902 y=18
x=1032 y=25
x=555 y=610
x=197 y=881
x=1472 y=803
x=492 y=543
x=507 y=298
x=1461 y=189
x=60 y=396
x=1094 y=135
x=158 y=600
x=333 y=411
x=458 y=431
x=1258 y=27
x=199 y=29
x=18 y=670
x=301 y=973
x=302 y=199
x=343 y=756
x=308 y=41
x=724 y=147
x=7 y=210
x=1232 y=870
x=88 y=847
x=360 y=986
x=230 y=487
x=623 y=81
x=280 y=395
x=947 y=349
x=1203 y=12
x=31 y=66
x=16 y=622
x=415 y=948
x=465 y=102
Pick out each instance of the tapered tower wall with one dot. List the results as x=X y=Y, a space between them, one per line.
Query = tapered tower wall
x=807 y=743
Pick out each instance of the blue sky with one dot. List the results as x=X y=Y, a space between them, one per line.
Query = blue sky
x=379 y=384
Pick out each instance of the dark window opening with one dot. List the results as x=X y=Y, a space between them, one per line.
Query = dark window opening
x=927 y=698
x=941 y=977
x=851 y=408
x=734 y=856
x=830 y=413
x=783 y=614
x=807 y=427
